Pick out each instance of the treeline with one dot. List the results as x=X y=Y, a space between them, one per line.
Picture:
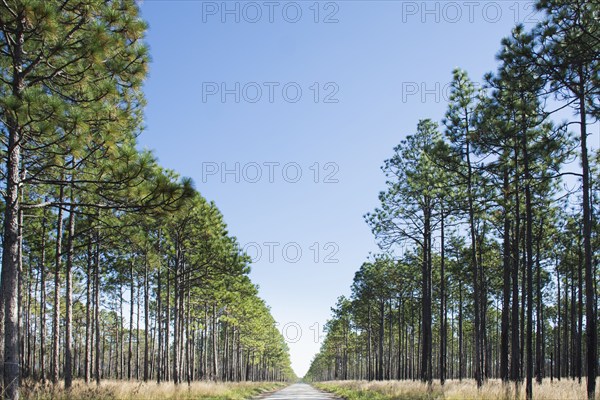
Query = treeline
x=112 y=267
x=489 y=226
x=149 y=296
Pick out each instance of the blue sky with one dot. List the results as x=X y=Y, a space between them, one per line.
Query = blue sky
x=328 y=100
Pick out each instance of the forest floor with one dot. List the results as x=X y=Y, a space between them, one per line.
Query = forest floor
x=134 y=390
x=453 y=390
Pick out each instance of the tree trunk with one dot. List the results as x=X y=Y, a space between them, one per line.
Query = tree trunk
x=159 y=359
x=43 y=301
x=590 y=303
x=369 y=347
x=515 y=363
x=131 y=303
x=443 y=313
x=215 y=367
x=11 y=240
x=69 y=296
x=56 y=313
x=88 y=305
x=137 y=338
x=579 y=344
x=146 y=319
x=167 y=324
x=539 y=362
x=426 y=289
x=474 y=265
x=529 y=266
x=506 y=269
x=176 y=322
x=460 y=333
x=381 y=340
x=558 y=325
x=97 y=307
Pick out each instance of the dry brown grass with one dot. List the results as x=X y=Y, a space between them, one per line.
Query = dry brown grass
x=131 y=390
x=455 y=390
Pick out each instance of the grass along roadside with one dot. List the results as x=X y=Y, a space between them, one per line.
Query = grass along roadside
x=133 y=390
x=452 y=390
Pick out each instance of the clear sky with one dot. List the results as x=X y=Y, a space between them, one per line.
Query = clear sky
x=284 y=122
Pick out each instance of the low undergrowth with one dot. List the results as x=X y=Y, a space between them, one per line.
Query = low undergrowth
x=452 y=390
x=132 y=390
